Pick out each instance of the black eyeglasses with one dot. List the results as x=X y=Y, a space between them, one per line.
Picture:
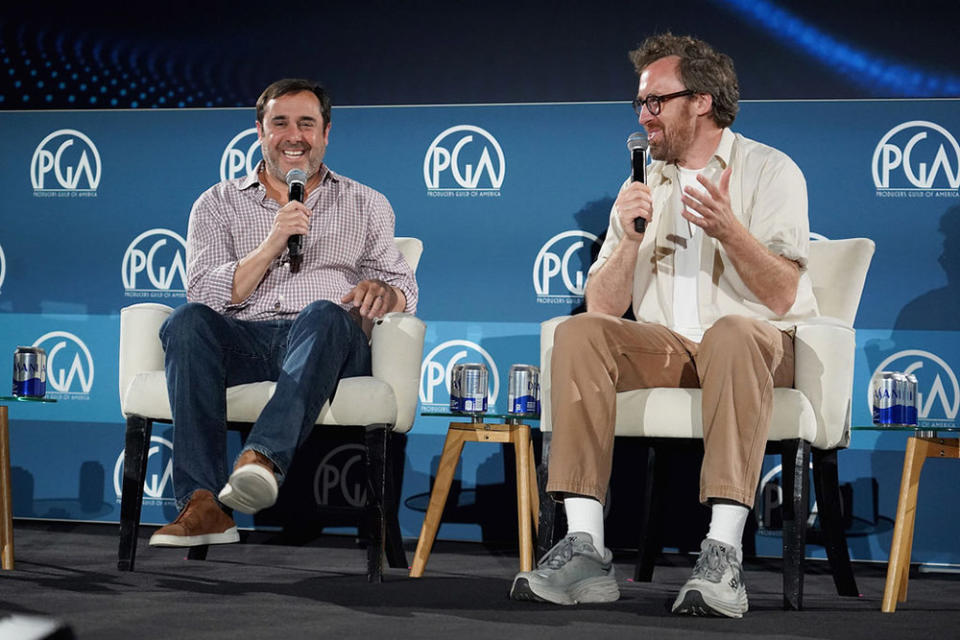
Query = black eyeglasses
x=655 y=103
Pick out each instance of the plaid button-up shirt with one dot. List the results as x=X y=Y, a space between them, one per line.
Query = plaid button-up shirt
x=350 y=240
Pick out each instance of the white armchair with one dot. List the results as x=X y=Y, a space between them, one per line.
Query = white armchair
x=815 y=413
x=383 y=405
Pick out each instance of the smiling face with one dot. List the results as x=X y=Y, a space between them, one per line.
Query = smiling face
x=673 y=130
x=293 y=134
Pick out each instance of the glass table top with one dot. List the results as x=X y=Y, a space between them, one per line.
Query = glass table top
x=25 y=399
x=924 y=428
x=480 y=417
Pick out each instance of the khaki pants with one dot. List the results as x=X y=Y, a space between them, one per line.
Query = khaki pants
x=738 y=363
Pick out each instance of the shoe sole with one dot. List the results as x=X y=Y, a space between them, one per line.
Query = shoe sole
x=695 y=603
x=165 y=540
x=251 y=488
x=590 y=590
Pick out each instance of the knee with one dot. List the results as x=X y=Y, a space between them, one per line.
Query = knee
x=187 y=320
x=730 y=333
x=325 y=316
x=580 y=331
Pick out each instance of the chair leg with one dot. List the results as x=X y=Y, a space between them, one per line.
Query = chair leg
x=548 y=527
x=396 y=444
x=827 y=488
x=376 y=451
x=650 y=545
x=135 y=452
x=795 y=457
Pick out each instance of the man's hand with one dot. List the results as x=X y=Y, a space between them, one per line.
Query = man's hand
x=634 y=202
x=372 y=298
x=293 y=218
x=713 y=204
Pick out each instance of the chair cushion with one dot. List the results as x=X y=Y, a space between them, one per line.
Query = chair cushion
x=676 y=413
x=357 y=401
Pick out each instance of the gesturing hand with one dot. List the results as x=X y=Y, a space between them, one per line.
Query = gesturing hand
x=713 y=204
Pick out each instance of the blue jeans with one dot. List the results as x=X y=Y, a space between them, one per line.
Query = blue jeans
x=206 y=352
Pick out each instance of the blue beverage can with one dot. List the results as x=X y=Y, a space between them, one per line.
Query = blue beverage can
x=468 y=388
x=523 y=390
x=887 y=391
x=30 y=372
x=911 y=408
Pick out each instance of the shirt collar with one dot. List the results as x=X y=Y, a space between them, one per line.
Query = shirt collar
x=722 y=155
x=252 y=179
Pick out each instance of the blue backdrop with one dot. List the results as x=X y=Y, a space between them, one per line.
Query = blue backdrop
x=508 y=201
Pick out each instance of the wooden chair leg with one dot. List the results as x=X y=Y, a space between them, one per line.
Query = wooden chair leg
x=6 y=494
x=796 y=490
x=898 y=567
x=135 y=452
x=452 y=447
x=827 y=488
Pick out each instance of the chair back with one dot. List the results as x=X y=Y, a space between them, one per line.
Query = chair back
x=411 y=248
x=838 y=269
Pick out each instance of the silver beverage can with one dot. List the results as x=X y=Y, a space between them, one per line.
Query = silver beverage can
x=886 y=391
x=456 y=387
x=911 y=403
x=468 y=388
x=523 y=390
x=30 y=372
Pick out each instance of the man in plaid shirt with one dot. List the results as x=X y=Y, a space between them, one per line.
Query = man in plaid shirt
x=249 y=317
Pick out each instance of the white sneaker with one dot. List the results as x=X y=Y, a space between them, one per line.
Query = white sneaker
x=252 y=485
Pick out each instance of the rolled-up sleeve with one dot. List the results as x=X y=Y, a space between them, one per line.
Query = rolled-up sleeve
x=779 y=219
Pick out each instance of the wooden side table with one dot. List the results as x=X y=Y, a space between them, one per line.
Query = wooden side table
x=511 y=431
x=6 y=495
x=919 y=447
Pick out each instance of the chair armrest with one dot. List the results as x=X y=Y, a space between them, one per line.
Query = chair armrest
x=547 y=329
x=140 y=347
x=824 y=352
x=396 y=348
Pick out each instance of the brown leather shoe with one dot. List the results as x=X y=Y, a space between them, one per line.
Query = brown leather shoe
x=202 y=521
x=252 y=486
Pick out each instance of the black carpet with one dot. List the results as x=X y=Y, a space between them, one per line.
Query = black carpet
x=262 y=589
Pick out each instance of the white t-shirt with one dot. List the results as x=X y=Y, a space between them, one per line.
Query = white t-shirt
x=686 y=262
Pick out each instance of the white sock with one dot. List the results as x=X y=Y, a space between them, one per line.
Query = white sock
x=585 y=515
x=726 y=524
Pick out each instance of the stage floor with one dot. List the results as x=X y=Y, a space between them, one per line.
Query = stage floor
x=262 y=589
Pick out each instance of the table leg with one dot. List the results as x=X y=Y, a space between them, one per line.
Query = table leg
x=898 y=567
x=521 y=442
x=534 y=492
x=6 y=496
x=452 y=448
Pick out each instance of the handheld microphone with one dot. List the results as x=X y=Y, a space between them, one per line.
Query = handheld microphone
x=296 y=181
x=637 y=144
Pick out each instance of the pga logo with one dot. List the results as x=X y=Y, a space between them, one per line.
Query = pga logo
x=559 y=272
x=938 y=394
x=464 y=158
x=3 y=267
x=917 y=155
x=340 y=477
x=436 y=368
x=157 y=485
x=69 y=364
x=241 y=155
x=65 y=161
x=768 y=506
x=154 y=262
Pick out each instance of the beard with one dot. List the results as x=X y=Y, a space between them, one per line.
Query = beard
x=273 y=158
x=675 y=139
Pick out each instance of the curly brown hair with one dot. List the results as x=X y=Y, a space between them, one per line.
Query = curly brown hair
x=702 y=69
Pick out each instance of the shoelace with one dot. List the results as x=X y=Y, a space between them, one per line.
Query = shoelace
x=560 y=555
x=711 y=563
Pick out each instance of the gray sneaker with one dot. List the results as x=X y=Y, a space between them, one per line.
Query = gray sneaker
x=572 y=572
x=716 y=586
